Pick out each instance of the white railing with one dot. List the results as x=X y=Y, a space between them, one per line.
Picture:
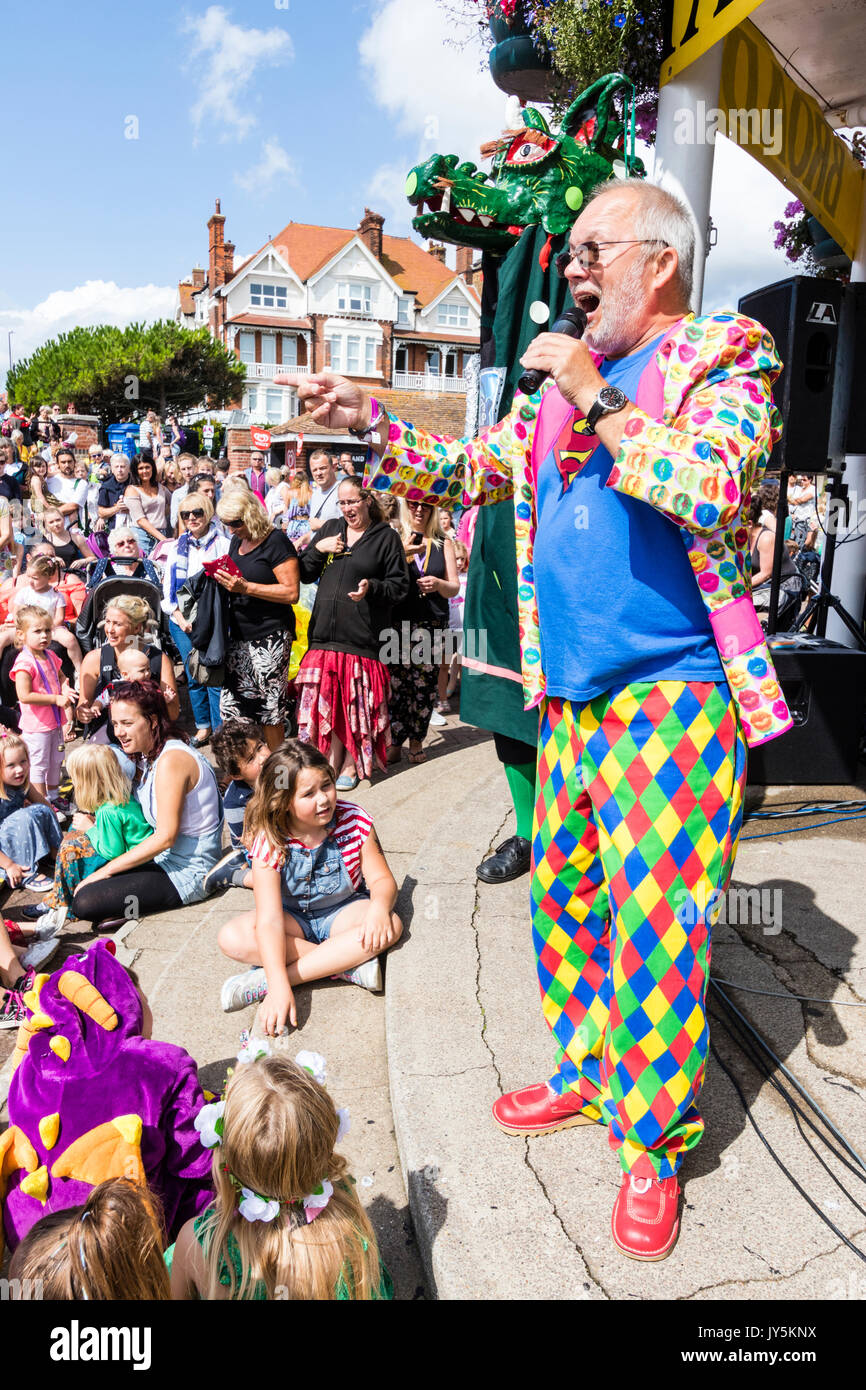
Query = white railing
x=428 y=381
x=256 y=371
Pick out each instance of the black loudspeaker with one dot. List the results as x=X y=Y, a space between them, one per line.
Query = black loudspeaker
x=824 y=684
x=803 y=316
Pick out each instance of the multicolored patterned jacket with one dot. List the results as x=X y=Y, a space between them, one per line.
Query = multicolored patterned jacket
x=695 y=448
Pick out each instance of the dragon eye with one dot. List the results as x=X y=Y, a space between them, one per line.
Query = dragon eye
x=523 y=151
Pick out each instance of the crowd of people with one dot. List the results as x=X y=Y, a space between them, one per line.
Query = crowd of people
x=127 y=581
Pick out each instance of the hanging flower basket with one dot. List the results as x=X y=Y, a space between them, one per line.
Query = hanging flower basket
x=826 y=252
x=520 y=61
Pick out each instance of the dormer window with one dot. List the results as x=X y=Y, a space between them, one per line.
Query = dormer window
x=452 y=316
x=354 y=298
x=403 y=304
x=267 y=296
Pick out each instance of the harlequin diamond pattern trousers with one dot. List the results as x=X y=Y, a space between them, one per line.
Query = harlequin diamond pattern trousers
x=638 y=809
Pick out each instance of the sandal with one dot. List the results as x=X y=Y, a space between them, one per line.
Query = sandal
x=38 y=883
x=419 y=757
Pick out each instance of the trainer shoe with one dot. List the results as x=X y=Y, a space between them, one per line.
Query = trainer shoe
x=221 y=875
x=250 y=987
x=539 y=1110
x=13 y=1010
x=49 y=922
x=645 y=1220
x=40 y=952
x=437 y=720
x=368 y=975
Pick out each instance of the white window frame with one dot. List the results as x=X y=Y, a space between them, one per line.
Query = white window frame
x=354 y=303
x=370 y=346
x=404 y=303
x=334 y=345
x=353 y=354
x=265 y=296
x=452 y=316
x=274 y=414
x=252 y=400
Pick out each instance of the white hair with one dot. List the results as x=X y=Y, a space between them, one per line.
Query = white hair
x=119 y=533
x=660 y=217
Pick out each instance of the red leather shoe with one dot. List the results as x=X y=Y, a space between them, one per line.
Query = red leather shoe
x=538 y=1110
x=645 y=1221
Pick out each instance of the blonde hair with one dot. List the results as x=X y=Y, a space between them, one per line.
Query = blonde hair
x=139 y=613
x=239 y=504
x=279 y=1132
x=273 y=477
x=109 y=1249
x=299 y=487
x=432 y=531
x=96 y=777
x=6 y=745
x=199 y=500
x=29 y=614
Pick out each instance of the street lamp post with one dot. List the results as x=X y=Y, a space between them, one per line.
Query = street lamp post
x=11 y=331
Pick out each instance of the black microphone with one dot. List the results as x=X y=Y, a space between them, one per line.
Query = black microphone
x=571 y=322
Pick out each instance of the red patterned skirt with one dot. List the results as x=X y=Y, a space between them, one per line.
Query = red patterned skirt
x=347 y=697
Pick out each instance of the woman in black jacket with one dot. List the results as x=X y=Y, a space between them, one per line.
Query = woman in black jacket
x=342 y=683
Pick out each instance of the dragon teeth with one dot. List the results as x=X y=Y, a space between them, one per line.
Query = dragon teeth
x=446 y=200
x=485 y=221
x=467 y=213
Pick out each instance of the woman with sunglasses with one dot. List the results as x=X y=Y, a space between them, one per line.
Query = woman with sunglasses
x=201 y=540
x=262 y=584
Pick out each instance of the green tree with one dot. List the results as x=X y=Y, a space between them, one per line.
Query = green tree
x=112 y=372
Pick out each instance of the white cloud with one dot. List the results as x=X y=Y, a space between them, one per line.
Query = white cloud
x=441 y=97
x=225 y=57
x=746 y=200
x=95 y=302
x=274 y=167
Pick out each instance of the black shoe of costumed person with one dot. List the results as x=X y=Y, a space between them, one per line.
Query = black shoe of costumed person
x=511 y=860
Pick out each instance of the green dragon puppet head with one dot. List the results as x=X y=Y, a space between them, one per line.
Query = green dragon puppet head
x=537 y=177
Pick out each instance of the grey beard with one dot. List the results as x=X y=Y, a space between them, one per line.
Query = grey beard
x=621 y=315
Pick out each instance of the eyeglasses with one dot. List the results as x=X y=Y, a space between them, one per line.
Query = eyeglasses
x=587 y=253
x=233 y=525
x=130 y=542
x=195 y=512
x=352 y=502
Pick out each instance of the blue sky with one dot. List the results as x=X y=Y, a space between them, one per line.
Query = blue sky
x=285 y=111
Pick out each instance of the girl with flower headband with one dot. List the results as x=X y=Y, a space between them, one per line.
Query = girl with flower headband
x=286 y=1221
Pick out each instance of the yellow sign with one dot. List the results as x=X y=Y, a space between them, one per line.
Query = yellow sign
x=784 y=129
x=695 y=26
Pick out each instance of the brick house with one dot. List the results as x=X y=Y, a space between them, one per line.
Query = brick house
x=377 y=308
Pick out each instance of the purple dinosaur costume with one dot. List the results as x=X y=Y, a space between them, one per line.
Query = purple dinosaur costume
x=92 y=1099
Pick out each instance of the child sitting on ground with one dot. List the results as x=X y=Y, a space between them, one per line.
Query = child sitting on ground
x=110 y=1248
x=103 y=795
x=239 y=749
x=44 y=698
x=28 y=826
x=286 y=1221
x=311 y=855
x=92 y=1097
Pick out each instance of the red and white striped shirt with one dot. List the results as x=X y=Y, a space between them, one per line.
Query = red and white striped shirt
x=350 y=832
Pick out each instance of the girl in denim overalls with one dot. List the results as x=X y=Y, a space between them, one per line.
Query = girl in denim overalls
x=323 y=891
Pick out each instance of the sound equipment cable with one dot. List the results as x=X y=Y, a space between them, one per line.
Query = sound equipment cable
x=809 y=808
x=799 y=829
x=747 y=1047
x=786 y=994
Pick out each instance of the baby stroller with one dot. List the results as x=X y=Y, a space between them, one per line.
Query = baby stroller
x=90 y=617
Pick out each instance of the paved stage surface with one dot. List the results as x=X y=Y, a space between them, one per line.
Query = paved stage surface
x=495 y=1217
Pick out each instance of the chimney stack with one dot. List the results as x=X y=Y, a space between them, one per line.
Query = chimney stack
x=436 y=249
x=229 y=259
x=216 y=249
x=464 y=263
x=197 y=277
x=370 y=232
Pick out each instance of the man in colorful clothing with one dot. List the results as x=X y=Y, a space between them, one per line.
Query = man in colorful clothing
x=636 y=627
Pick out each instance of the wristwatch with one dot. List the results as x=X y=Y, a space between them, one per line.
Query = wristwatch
x=376 y=416
x=608 y=401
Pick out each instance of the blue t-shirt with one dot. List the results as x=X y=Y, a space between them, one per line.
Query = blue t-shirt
x=617 y=598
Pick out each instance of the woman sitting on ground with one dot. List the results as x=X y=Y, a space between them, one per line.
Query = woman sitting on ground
x=181 y=802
